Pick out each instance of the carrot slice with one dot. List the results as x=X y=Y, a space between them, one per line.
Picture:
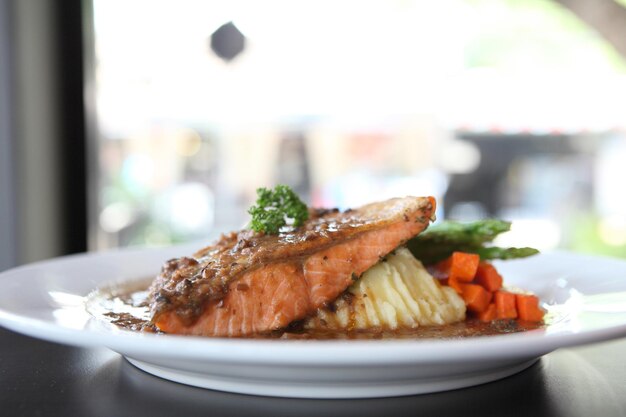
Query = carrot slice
x=488 y=277
x=505 y=305
x=460 y=266
x=488 y=314
x=476 y=297
x=464 y=266
x=528 y=307
x=453 y=283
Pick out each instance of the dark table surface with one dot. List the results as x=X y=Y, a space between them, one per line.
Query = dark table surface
x=39 y=378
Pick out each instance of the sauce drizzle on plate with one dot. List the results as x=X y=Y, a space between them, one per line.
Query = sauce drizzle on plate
x=125 y=306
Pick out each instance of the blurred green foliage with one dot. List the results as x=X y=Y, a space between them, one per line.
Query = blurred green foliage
x=584 y=236
x=540 y=35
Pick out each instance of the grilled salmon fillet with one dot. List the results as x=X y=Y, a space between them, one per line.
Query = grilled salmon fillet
x=250 y=283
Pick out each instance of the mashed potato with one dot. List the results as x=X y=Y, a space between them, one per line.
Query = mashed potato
x=395 y=293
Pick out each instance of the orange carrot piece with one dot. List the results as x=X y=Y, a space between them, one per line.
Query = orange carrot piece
x=505 y=305
x=453 y=283
x=488 y=277
x=460 y=266
x=528 y=307
x=476 y=297
x=464 y=266
x=489 y=314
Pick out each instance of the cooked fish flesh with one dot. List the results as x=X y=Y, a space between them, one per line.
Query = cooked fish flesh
x=249 y=283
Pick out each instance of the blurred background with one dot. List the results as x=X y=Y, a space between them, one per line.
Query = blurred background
x=152 y=122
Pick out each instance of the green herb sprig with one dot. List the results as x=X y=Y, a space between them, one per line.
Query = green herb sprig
x=274 y=208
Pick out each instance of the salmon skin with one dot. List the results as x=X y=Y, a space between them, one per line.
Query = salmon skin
x=250 y=283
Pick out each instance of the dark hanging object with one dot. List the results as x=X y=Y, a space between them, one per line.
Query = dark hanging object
x=227 y=41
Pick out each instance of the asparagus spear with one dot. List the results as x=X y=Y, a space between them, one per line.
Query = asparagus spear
x=438 y=242
x=495 y=252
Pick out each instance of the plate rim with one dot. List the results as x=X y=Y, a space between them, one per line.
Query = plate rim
x=275 y=351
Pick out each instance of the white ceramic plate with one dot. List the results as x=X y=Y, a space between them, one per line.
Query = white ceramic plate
x=585 y=295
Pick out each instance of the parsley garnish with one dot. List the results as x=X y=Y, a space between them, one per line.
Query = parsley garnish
x=274 y=207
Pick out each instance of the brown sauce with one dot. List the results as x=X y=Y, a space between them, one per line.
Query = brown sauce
x=127 y=308
x=186 y=284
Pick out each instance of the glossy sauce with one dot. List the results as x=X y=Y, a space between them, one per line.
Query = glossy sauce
x=185 y=285
x=127 y=308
